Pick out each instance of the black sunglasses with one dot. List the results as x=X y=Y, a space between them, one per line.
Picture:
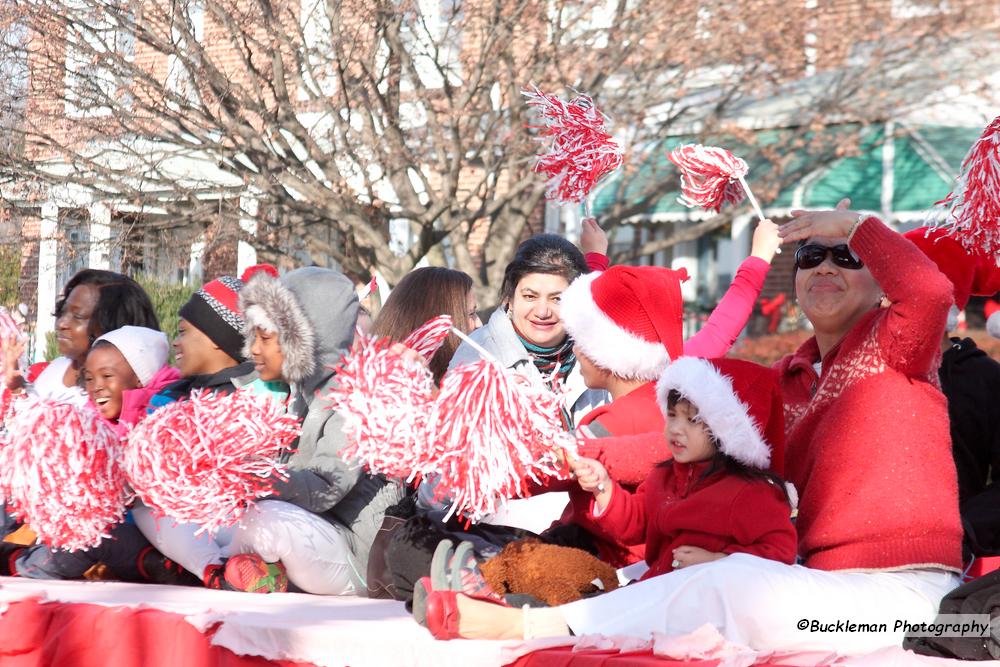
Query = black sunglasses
x=812 y=255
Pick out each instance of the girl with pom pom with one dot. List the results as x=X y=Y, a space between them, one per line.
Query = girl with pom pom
x=314 y=531
x=123 y=369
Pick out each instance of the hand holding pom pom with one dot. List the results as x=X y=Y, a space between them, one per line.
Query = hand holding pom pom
x=206 y=459
x=60 y=472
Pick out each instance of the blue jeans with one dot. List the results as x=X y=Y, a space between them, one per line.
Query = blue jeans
x=120 y=553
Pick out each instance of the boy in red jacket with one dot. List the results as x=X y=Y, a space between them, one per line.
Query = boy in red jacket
x=714 y=498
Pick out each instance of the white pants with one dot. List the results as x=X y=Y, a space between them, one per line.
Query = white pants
x=314 y=552
x=761 y=603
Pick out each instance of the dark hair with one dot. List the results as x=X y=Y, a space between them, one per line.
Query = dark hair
x=722 y=462
x=121 y=301
x=543 y=253
x=422 y=295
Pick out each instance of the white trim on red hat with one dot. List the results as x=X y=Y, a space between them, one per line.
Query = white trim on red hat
x=993 y=324
x=604 y=342
x=728 y=417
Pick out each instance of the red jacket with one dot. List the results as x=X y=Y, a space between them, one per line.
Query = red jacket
x=635 y=412
x=678 y=506
x=868 y=445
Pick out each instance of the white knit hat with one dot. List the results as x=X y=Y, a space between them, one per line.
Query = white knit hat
x=145 y=350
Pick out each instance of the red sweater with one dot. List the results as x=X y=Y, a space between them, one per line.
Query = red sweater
x=868 y=444
x=677 y=506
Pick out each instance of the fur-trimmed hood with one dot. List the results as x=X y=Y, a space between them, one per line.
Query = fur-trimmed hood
x=313 y=311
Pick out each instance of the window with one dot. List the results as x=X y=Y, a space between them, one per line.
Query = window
x=911 y=9
x=189 y=24
x=100 y=47
x=318 y=73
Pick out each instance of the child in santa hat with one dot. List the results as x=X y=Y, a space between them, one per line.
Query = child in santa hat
x=715 y=497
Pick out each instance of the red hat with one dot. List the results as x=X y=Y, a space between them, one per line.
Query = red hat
x=739 y=401
x=628 y=319
x=970 y=273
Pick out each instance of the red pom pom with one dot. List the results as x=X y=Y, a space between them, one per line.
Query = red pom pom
x=710 y=176
x=206 y=459
x=60 y=472
x=430 y=336
x=972 y=210
x=251 y=271
x=385 y=400
x=492 y=432
x=582 y=151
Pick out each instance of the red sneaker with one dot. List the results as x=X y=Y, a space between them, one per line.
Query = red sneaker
x=252 y=574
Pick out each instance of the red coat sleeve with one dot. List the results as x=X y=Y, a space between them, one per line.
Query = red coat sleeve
x=732 y=314
x=910 y=332
x=623 y=520
x=628 y=459
x=597 y=261
x=761 y=523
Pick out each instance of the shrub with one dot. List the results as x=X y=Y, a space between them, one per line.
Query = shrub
x=167 y=299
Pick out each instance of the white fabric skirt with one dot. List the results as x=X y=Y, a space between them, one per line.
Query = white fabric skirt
x=765 y=605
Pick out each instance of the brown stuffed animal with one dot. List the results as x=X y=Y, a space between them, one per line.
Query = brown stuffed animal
x=551 y=573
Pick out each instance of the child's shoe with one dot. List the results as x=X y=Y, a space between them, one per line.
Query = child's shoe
x=252 y=574
x=158 y=569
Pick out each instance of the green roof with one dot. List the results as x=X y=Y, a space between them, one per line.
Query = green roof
x=925 y=161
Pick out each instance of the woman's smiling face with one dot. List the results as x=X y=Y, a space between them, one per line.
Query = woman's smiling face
x=534 y=308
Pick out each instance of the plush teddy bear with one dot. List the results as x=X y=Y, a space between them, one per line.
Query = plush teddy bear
x=551 y=573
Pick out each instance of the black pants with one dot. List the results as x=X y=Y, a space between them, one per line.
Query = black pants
x=119 y=552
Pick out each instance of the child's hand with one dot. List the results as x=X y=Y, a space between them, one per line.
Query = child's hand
x=592 y=237
x=685 y=556
x=766 y=241
x=594 y=478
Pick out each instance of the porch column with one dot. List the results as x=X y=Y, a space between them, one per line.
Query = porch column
x=48 y=257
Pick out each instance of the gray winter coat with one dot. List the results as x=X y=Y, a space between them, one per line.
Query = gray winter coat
x=499 y=339
x=314 y=312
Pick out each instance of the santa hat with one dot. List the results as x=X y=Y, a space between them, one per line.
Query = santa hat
x=740 y=403
x=145 y=350
x=628 y=319
x=969 y=272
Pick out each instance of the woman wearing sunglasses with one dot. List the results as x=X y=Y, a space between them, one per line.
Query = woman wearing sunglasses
x=867 y=448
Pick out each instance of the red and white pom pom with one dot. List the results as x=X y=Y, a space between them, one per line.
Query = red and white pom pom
x=581 y=152
x=207 y=459
x=710 y=176
x=972 y=210
x=492 y=432
x=60 y=473
x=428 y=338
x=384 y=399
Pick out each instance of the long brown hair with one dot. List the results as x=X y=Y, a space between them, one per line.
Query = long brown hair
x=421 y=295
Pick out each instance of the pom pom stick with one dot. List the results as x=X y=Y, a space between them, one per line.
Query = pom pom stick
x=60 y=473
x=971 y=213
x=491 y=433
x=709 y=178
x=385 y=398
x=581 y=151
x=206 y=459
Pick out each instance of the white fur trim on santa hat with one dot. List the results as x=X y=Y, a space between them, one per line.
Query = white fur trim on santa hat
x=993 y=324
x=145 y=350
x=604 y=342
x=727 y=417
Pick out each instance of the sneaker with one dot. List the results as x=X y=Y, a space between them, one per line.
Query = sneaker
x=252 y=574
x=158 y=569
